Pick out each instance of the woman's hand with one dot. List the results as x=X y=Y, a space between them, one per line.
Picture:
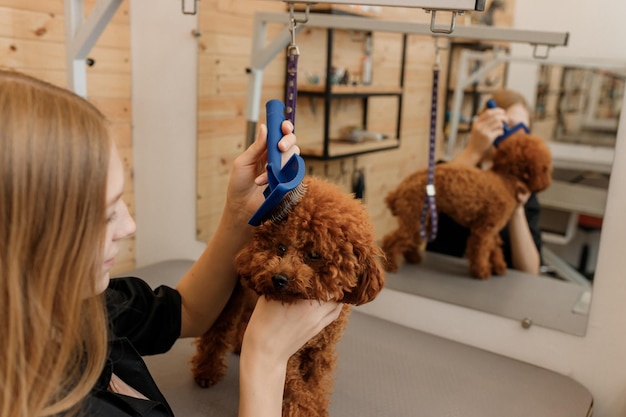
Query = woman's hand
x=206 y=287
x=486 y=128
x=277 y=330
x=522 y=197
x=248 y=176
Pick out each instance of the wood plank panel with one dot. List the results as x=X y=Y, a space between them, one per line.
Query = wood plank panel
x=17 y=53
x=122 y=134
x=26 y=54
x=115 y=109
x=108 y=85
x=58 y=7
x=223 y=56
x=32 y=40
x=42 y=26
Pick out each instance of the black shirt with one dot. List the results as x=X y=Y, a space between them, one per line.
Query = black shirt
x=143 y=322
x=452 y=237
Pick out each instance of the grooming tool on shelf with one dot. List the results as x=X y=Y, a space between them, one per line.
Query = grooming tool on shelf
x=285 y=187
x=508 y=131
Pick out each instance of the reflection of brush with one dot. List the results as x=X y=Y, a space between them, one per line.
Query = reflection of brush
x=508 y=131
x=285 y=187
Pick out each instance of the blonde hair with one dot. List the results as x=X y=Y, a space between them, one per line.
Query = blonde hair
x=506 y=98
x=54 y=156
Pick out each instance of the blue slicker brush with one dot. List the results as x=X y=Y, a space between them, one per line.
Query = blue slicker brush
x=508 y=131
x=285 y=187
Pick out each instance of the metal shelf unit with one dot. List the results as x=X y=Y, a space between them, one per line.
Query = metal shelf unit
x=328 y=92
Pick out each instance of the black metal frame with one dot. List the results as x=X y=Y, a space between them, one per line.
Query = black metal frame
x=328 y=96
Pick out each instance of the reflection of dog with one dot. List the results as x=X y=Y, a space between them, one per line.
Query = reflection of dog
x=481 y=200
x=324 y=249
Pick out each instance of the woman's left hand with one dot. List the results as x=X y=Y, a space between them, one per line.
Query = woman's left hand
x=248 y=175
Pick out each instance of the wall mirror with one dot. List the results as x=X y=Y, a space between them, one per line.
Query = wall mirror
x=576 y=110
x=560 y=297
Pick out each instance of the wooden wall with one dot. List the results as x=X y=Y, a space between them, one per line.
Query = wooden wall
x=32 y=40
x=223 y=57
x=225 y=45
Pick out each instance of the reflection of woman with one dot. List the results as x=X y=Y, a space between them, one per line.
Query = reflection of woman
x=61 y=220
x=521 y=237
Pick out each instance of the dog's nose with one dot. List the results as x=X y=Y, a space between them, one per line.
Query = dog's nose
x=280 y=281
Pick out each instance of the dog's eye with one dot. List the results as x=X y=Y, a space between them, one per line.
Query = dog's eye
x=313 y=255
x=282 y=248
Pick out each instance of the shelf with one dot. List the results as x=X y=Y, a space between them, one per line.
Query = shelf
x=464 y=127
x=341 y=9
x=476 y=90
x=456 y=5
x=365 y=105
x=338 y=148
x=350 y=90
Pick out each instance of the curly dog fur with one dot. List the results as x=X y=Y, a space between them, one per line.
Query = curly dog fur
x=480 y=200
x=324 y=249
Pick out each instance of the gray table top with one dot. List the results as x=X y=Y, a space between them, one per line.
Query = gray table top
x=385 y=369
x=547 y=301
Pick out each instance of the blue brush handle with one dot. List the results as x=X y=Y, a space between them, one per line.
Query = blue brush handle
x=275 y=115
x=280 y=180
x=508 y=131
x=291 y=174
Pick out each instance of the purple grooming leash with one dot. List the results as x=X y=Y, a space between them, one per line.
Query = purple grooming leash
x=429 y=202
x=292 y=81
x=293 y=53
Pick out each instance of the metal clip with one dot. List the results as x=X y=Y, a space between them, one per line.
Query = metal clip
x=292 y=49
x=430 y=190
x=195 y=7
x=438 y=49
x=448 y=30
x=292 y=14
x=536 y=54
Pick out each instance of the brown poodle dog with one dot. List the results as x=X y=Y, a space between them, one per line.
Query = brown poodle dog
x=480 y=200
x=324 y=249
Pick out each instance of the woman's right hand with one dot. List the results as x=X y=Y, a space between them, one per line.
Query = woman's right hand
x=248 y=175
x=487 y=126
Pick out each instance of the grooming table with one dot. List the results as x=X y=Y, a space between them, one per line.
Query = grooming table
x=386 y=370
x=548 y=302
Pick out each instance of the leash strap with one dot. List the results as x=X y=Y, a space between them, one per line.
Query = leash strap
x=430 y=205
x=292 y=83
x=293 y=53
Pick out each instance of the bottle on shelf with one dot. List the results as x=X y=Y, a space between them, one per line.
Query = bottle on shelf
x=366 y=70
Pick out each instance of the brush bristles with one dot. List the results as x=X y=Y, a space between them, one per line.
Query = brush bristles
x=293 y=197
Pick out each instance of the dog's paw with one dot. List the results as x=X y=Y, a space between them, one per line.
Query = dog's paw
x=482 y=271
x=390 y=265
x=499 y=269
x=204 y=381
x=413 y=257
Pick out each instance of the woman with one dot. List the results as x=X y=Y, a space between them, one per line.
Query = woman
x=71 y=337
x=522 y=237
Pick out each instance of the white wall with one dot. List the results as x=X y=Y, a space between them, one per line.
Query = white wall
x=164 y=130
x=164 y=64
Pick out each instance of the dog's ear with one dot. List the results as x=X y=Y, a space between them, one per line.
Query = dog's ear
x=371 y=277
